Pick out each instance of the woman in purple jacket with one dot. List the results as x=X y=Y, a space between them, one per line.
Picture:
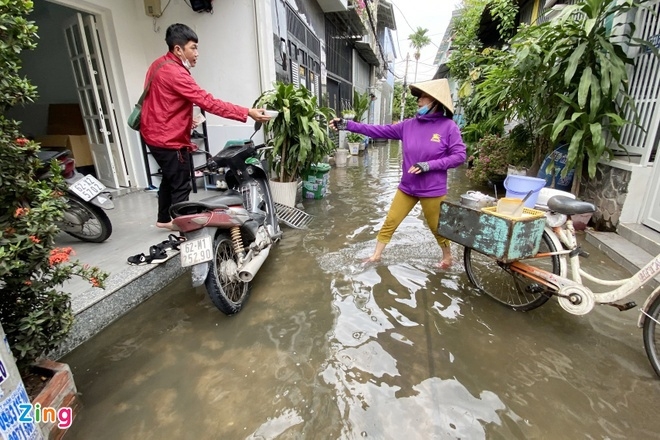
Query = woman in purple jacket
x=431 y=144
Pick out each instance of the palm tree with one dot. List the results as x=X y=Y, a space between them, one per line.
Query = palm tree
x=418 y=40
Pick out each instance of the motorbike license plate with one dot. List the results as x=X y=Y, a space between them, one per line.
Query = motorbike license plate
x=87 y=188
x=196 y=251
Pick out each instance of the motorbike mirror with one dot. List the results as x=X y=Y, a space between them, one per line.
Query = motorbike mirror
x=257 y=127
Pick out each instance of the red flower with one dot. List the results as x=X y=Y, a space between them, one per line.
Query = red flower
x=59 y=255
x=95 y=282
x=27 y=283
x=34 y=239
x=22 y=141
x=20 y=211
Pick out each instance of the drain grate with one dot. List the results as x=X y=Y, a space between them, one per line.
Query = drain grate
x=293 y=217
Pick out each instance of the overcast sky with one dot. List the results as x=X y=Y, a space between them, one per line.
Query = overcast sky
x=433 y=15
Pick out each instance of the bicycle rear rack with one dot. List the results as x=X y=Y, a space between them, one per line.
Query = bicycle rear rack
x=293 y=217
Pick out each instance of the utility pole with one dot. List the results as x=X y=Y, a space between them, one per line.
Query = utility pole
x=405 y=87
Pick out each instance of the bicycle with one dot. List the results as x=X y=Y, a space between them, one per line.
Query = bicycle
x=527 y=283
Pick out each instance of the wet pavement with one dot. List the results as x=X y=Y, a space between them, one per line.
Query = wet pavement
x=327 y=348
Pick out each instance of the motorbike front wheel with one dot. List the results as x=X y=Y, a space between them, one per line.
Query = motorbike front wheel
x=86 y=221
x=225 y=288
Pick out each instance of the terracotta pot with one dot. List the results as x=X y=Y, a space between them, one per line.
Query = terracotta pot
x=60 y=392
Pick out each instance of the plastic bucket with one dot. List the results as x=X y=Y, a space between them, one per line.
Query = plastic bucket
x=518 y=187
x=341 y=155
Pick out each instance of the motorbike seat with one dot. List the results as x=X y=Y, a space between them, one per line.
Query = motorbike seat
x=228 y=197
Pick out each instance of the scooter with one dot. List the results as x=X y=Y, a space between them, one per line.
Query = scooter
x=84 y=218
x=228 y=237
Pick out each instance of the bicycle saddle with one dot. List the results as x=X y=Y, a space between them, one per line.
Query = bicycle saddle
x=568 y=206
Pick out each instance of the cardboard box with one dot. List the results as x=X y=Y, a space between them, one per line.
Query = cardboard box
x=65 y=119
x=78 y=145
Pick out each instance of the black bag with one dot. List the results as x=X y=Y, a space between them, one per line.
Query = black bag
x=201 y=5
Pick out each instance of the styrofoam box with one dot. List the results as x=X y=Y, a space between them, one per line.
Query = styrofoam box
x=546 y=193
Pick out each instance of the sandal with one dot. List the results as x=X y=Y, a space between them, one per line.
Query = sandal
x=172 y=242
x=157 y=254
x=138 y=260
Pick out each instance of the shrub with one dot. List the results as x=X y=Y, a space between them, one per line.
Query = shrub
x=35 y=313
x=490 y=159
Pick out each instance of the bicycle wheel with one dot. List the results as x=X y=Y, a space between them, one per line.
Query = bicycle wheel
x=651 y=335
x=506 y=287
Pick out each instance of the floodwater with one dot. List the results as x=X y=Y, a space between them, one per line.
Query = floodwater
x=327 y=348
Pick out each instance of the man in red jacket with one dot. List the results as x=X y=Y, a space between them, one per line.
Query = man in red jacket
x=167 y=116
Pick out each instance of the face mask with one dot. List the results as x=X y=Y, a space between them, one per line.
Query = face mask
x=423 y=110
x=185 y=62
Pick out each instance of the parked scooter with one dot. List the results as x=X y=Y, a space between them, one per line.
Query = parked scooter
x=229 y=235
x=86 y=196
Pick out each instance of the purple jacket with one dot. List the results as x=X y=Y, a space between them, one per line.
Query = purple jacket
x=433 y=138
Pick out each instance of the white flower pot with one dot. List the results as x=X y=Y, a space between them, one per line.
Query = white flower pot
x=354 y=148
x=284 y=192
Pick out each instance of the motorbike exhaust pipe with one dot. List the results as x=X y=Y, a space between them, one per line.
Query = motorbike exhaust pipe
x=249 y=270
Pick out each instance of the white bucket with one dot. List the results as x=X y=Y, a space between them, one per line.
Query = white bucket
x=546 y=193
x=341 y=155
x=354 y=148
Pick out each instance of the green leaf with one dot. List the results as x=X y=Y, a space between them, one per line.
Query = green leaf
x=585 y=86
x=573 y=63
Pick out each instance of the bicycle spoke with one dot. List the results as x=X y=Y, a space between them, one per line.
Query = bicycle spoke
x=503 y=285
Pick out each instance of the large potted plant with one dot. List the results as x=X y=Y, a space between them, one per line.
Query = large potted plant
x=298 y=134
x=35 y=313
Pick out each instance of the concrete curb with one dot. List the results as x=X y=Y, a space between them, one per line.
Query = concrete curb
x=123 y=292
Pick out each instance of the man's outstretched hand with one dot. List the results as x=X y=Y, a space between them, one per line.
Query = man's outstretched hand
x=258 y=114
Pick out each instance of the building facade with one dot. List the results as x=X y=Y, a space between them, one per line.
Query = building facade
x=95 y=53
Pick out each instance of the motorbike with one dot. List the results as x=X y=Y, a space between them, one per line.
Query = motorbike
x=84 y=218
x=228 y=236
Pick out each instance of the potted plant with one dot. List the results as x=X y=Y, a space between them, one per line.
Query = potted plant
x=354 y=141
x=298 y=134
x=35 y=313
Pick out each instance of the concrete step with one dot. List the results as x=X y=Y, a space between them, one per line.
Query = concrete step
x=642 y=236
x=96 y=308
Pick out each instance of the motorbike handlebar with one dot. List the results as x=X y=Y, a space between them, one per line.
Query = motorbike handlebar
x=211 y=165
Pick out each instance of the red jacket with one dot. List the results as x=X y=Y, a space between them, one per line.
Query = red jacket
x=167 y=110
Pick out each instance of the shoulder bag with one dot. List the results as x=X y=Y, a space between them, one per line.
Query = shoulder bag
x=134 y=118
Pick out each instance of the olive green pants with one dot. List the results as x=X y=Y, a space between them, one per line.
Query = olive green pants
x=401 y=207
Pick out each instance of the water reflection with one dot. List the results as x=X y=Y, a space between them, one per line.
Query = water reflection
x=328 y=348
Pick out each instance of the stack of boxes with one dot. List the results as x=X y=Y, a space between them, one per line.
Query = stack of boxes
x=66 y=131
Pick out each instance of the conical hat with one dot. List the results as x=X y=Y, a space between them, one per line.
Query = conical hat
x=438 y=89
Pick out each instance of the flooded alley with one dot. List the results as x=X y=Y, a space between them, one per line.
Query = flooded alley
x=328 y=348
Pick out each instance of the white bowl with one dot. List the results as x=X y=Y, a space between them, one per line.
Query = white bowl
x=271 y=113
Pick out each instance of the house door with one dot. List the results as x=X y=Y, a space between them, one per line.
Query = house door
x=646 y=92
x=95 y=100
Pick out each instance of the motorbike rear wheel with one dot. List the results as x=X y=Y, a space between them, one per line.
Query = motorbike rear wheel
x=225 y=288
x=91 y=223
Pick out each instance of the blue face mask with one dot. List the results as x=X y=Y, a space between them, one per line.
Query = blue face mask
x=423 y=110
